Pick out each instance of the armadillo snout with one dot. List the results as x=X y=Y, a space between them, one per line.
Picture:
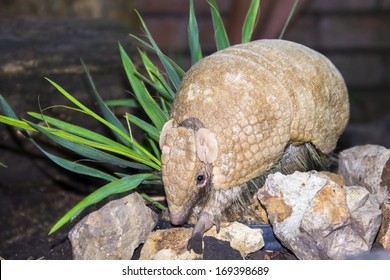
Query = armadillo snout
x=177 y=219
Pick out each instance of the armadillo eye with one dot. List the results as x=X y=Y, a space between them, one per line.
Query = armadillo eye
x=200 y=178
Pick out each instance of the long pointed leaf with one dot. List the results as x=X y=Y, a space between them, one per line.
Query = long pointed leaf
x=152 y=201
x=103 y=121
x=148 y=104
x=15 y=123
x=77 y=130
x=193 y=36
x=160 y=90
x=250 y=21
x=107 y=113
x=155 y=149
x=89 y=152
x=71 y=132
x=176 y=80
x=148 y=46
x=158 y=79
x=129 y=102
x=148 y=128
x=74 y=166
x=292 y=11
x=11 y=115
x=118 y=186
x=7 y=108
x=71 y=166
x=221 y=38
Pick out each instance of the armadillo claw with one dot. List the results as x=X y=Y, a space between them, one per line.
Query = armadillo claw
x=195 y=243
x=205 y=222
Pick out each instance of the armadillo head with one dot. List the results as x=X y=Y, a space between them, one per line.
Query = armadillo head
x=188 y=152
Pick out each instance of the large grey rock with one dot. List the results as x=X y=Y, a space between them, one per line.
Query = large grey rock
x=114 y=231
x=318 y=219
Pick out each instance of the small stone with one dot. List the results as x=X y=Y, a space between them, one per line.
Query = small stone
x=384 y=231
x=241 y=237
x=172 y=243
x=168 y=244
x=316 y=218
x=114 y=231
x=367 y=166
x=215 y=249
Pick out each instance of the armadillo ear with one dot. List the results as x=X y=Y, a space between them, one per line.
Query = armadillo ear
x=167 y=126
x=206 y=145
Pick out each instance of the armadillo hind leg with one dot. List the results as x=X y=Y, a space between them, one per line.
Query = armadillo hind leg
x=213 y=213
x=302 y=158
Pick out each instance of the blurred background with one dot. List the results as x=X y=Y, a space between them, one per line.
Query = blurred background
x=354 y=34
x=47 y=39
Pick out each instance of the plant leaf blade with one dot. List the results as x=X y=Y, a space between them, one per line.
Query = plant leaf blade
x=107 y=113
x=193 y=36
x=124 y=184
x=292 y=11
x=221 y=37
x=173 y=75
x=150 y=107
x=250 y=21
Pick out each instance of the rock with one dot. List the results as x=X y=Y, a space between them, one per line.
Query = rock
x=367 y=166
x=365 y=213
x=216 y=249
x=172 y=243
x=114 y=231
x=168 y=244
x=384 y=231
x=242 y=238
x=316 y=218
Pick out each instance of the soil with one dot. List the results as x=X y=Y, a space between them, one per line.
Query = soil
x=28 y=212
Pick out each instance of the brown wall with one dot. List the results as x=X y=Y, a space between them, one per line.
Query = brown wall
x=354 y=34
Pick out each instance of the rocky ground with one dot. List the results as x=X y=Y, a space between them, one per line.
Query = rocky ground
x=32 y=209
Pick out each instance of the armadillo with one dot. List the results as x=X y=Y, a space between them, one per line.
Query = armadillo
x=240 y=113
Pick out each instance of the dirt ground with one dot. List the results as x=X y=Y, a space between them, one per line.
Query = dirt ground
x=28 y=212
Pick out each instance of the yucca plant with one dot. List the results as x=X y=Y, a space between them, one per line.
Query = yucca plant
x=140 y=161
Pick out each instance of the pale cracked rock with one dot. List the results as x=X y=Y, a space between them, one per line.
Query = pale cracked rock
x=172 y=243
x=367 y=166
x=318 y=219
x=114 y=231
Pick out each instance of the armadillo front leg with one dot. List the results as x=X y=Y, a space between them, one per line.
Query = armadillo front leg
x=212 y=213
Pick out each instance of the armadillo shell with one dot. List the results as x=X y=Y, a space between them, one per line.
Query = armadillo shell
x=259 y=97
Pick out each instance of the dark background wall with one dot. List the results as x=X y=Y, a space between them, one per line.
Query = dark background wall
x=354 y=34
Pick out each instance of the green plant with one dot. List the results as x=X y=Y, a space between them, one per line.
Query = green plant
x=141 y=160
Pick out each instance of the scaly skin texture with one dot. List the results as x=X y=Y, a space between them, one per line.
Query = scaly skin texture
x=248 y=103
